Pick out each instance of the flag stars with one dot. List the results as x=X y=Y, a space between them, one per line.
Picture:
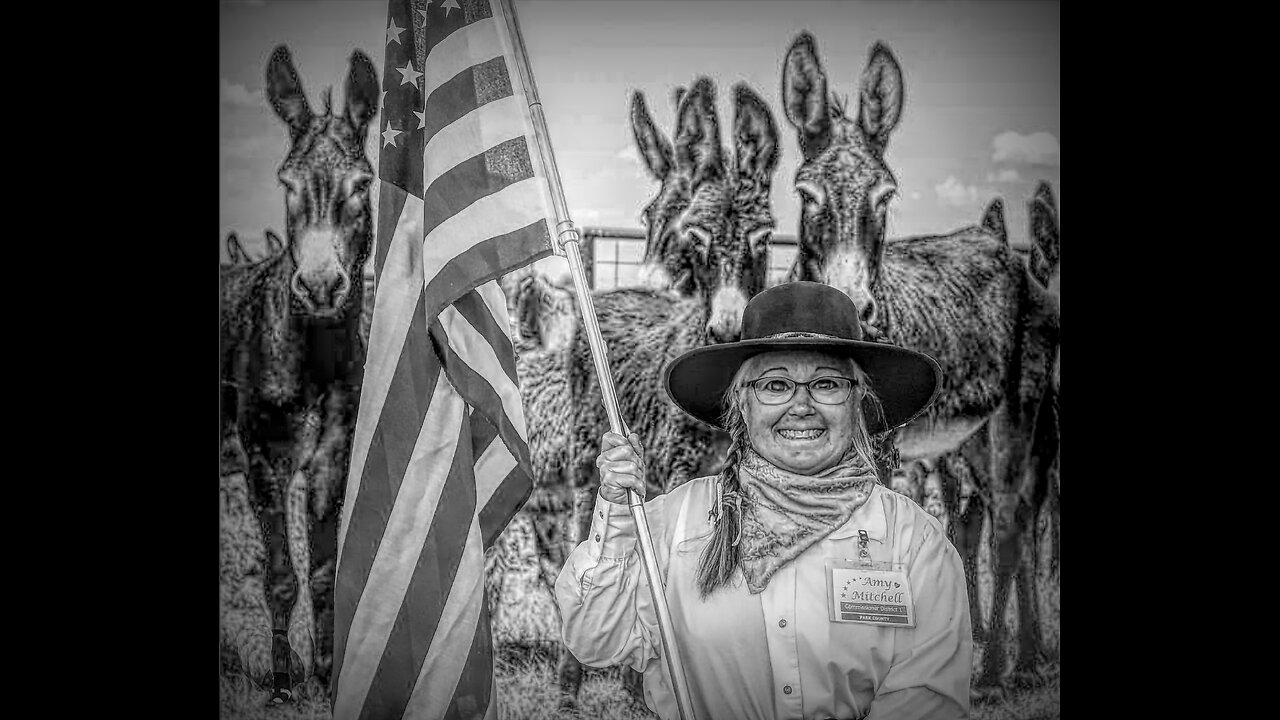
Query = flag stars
x=408 y=75
x=393 y=32
x=449 y=5
x=389 y=136
x=422 y=119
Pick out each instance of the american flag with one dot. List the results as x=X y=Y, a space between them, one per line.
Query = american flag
x=440 y=462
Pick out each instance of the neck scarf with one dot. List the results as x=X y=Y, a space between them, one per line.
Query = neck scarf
x=784 y=513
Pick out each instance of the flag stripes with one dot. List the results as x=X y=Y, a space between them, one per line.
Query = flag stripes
x=472 y=88
x=431 y=580
x=450 y=52
x=473 y=179
x=392 y=200
x=384 y=547
x=453 y=639
x=461 y=141
x=473 y=384
x=477 y=311
x=507 y=237
x=440 y=460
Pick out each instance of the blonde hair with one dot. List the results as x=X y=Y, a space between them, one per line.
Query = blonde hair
x=720 y=556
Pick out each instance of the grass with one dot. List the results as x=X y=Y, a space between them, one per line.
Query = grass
x=526 y=636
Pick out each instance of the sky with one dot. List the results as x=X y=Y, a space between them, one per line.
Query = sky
x=982 y=81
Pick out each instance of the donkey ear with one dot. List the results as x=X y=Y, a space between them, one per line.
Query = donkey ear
x=881 y=102
x=697 y=150
x=235 y=250
x=274 y=245
x=1046 y=234
x=285 y=91
x=655 y=150
x=677 y=95
x=993 y=220
x=804 y=95
x=361 y=92
x=755 y=136
x=1044 y=193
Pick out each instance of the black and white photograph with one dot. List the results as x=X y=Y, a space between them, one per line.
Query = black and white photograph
x=634 y=359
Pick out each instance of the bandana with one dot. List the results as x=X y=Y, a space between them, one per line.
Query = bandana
x=784 y=513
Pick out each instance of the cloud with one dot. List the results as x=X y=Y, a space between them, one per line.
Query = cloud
x=1008 y=175
x=953 y=192
x=239 y=96
x=1040 y=148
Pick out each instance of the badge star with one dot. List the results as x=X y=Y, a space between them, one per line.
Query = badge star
x=422 y=119
x=393 y=32
x=449 y=5
x=389 y=136
x=408 y=75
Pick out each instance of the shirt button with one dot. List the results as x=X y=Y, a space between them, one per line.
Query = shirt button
x=597 y=537
x=786 y=689
x=782 y=622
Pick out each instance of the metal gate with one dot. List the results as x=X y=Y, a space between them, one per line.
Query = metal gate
x=612 y=256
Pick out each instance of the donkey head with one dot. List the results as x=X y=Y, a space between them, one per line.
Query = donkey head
x=709 y=227
x=326 y=178
x=843 y=181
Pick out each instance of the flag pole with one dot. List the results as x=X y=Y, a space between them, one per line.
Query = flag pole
x=566 y=243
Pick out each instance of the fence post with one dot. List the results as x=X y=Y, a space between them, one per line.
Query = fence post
x=587 y=248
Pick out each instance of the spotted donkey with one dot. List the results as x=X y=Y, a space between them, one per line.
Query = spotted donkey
x=292 y=359
x=708 y=234
x=965 y=298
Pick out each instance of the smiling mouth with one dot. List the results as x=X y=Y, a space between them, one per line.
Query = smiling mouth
x=810 y=434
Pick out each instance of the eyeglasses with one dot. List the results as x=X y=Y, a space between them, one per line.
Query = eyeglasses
x=828 y=390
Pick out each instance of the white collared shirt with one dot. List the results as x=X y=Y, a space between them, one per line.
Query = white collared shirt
x=775 y=654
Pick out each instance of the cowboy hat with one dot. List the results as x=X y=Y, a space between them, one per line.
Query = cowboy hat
x=805 y=315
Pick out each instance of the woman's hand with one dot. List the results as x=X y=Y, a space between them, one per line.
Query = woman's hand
x=620 y=467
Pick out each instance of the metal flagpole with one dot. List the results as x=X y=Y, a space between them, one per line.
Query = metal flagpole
x=566 y=243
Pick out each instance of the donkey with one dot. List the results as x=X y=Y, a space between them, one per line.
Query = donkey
x=965 y=298
x=292 y=360
x=708 y=233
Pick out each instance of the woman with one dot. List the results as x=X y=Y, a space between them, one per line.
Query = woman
x=799 y=587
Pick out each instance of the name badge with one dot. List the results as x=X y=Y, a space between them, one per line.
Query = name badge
x=872 y=593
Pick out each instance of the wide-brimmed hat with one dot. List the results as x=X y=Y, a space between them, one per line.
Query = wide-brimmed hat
x=810 y=316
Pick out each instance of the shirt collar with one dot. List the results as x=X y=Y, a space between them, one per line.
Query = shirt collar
x=869 y=517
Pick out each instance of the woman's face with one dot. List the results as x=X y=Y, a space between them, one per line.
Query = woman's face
x=799 y=435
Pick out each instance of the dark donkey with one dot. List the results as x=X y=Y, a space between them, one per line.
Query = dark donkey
x=965 y=298
x=292 y=361
x=708 y=230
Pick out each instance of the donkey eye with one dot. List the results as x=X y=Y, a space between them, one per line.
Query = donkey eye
x=759 y=236
x=700 y=235
x=810 y=193
x=357 y=183
x=290 y=184
x=883 y=196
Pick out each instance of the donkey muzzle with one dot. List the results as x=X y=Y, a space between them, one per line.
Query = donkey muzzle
x=725 y=323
